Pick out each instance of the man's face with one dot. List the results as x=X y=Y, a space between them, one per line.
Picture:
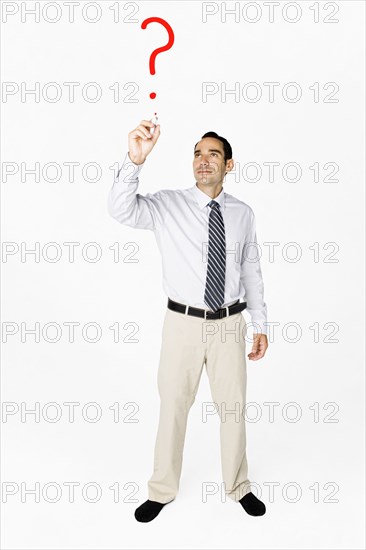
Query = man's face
x=209 y=166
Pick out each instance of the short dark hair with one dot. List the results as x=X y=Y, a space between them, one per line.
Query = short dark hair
x=228 y=152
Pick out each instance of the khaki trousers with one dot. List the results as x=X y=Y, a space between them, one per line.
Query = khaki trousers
x=187 y=344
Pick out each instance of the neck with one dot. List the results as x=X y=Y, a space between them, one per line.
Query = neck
x=211 y=190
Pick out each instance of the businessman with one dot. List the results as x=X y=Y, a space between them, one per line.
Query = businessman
x=211 y=273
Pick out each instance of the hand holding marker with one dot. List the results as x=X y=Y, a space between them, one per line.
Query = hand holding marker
x=142 y=140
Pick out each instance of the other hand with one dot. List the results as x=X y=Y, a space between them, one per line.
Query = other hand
x=259 y=347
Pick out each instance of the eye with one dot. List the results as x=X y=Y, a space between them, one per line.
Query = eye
x=214 y=154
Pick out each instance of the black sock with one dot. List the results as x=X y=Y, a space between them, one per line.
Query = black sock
x=149 y=510
x=252 y=505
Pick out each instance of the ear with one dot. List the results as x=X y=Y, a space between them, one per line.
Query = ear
x=229 y=165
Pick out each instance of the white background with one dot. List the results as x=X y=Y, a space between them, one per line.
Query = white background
x=309 y=453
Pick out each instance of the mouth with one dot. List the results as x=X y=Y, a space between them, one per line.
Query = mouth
x=204 y=172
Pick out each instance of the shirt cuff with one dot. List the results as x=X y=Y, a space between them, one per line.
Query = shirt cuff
x=125 y=172
x=262 y=328
x=259 y=327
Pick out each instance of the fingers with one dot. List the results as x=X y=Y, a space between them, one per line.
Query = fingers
x=145 y=126
x=256 y=355
x=143 y=130
x=156 y=133
x=146 y=123
x=258 y=349
x=140 y=133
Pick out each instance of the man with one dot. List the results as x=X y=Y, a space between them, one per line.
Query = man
x=206 y=238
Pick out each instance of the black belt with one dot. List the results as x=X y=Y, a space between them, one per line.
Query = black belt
x=197 y=312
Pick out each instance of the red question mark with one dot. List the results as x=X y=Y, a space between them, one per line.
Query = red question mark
x=170 y=43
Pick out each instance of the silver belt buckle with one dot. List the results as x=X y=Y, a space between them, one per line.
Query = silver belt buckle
x=222 y=311
x=187 y=306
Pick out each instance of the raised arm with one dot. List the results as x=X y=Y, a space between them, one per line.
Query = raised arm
x=124 y=204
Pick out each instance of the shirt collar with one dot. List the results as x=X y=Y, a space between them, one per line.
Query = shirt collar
x=203 y=200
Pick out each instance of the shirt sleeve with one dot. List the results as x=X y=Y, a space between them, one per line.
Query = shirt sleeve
x=251 y=277
x=131 y=208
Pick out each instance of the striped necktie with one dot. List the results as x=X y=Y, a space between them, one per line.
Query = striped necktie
x=215 y=279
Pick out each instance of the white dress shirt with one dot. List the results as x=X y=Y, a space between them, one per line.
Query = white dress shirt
x=179 y=219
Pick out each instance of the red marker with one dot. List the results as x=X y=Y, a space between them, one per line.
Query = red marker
x=154 y=121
